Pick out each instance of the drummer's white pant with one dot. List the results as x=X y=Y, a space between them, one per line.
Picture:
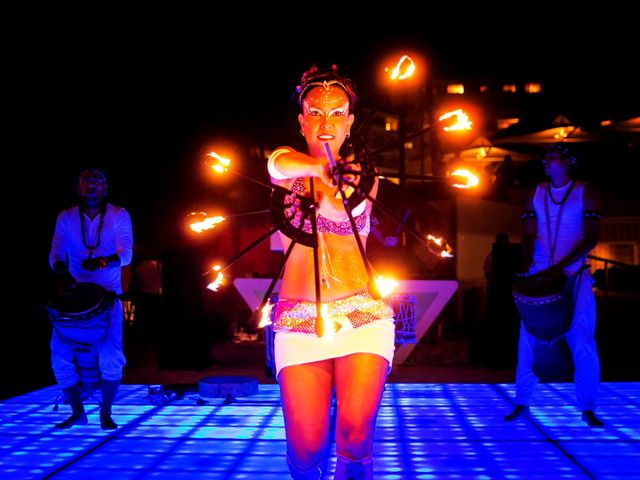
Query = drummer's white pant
x=110 y=354
x=581 y=341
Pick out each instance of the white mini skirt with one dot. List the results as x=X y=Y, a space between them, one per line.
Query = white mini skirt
x=298 y=348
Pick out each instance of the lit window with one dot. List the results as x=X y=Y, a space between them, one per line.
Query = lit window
x=532 y=87
x=391 y=124
x=455 y=88
x=503 y=123
x=509 y=88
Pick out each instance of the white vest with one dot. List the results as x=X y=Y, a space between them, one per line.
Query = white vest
x=562 y=236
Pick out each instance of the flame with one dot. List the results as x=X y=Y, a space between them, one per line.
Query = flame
x=265 y=318
x=471 y=179
x=223 y=163
x=207 y=223
x=437 y=240
x=213 y=286
x=445 y=249
x=328 y=324
x=385 y=285
x=403 y=69
x=462 y=121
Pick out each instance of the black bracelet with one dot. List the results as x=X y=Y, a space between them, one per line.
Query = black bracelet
x=591 y=215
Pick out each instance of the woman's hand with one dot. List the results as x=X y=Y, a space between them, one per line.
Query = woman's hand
x=326 y=175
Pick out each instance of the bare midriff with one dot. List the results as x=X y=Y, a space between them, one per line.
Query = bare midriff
x=346 y=265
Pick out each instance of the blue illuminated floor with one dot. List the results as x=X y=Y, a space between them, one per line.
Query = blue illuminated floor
x=438 y=431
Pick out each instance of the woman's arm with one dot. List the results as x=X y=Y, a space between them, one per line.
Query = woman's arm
x=286 y=163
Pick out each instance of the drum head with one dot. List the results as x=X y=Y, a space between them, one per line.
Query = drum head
x=82 y=299
x=538 y=287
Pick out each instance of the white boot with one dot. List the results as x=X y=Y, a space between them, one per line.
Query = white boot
x=312 y=473
x=348 y=469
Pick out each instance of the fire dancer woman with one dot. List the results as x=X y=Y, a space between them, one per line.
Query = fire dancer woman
x=359 y=355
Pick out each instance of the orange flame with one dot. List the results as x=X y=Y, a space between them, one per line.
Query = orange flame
x=215 y=285
x=445 y=249
x=265 y=318
x=403 y=69
x=385 y=285
x=328 y=324
x=223 y=163
x=207 y=223
x=462 y=121
x=471 y=180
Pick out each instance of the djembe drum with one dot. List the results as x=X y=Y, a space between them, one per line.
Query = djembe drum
x=546 y=309
x=404 y=313
x=545 y=305
x=79 y=317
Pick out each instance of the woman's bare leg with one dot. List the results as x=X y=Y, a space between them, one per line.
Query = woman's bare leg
x=359 y=380
x=306 y=401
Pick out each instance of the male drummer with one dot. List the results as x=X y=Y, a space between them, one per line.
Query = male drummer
x=91 y=243
x=560 y=226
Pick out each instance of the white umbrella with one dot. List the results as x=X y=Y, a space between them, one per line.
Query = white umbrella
x=483 y=151
x=562 y=130
x=630 y=125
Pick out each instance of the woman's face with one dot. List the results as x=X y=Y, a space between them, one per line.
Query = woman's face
x=325 y=117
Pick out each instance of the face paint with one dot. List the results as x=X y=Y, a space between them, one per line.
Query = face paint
x=325 y=117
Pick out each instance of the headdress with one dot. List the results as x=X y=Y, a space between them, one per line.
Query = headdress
x=564 y=151
x=94 y=172
x=324 y=77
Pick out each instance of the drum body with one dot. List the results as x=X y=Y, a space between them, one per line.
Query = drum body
x=80 y=317
x=545 y=305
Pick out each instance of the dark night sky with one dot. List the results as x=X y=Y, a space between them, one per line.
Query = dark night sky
x=143 y=94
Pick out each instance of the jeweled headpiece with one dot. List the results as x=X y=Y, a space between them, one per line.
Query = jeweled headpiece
x=324 y=77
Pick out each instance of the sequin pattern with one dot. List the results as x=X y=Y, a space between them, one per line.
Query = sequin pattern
x=363 y=221
x=299 y=316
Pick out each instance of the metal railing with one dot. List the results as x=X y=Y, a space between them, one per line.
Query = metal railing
x=607 y=262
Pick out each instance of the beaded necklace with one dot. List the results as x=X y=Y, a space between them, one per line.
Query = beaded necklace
x=564 y=197
x=553 y=240
x=84 y=237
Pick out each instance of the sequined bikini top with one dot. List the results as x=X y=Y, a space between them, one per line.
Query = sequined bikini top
x=325 y=225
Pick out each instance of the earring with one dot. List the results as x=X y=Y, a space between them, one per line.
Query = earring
x=348 y=134
x=301 y=132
